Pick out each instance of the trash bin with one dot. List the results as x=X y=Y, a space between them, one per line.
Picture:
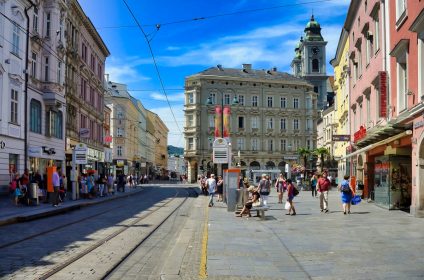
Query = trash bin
x=33 y=192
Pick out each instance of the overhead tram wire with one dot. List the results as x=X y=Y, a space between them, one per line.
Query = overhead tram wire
x=154 y=62
x=221 y=15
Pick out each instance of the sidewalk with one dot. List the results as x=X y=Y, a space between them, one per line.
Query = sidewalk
x=370 y=243
x=10 y=213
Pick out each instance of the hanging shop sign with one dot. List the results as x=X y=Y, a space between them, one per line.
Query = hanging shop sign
x=84 y=133
x=360 y=134
x=383 y=93
x=342 y=138
x=35 y=151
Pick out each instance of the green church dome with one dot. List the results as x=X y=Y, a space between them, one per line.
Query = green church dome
x=313 y=30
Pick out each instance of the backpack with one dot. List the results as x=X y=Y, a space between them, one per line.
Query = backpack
x=345 y=187
x=295 y=191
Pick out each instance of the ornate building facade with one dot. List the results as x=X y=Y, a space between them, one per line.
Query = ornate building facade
x=276 y=114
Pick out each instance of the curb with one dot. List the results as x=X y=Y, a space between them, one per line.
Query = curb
x=61 y=210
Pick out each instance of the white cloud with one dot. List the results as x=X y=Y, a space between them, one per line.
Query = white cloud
x=124 y=70
x=171 y=97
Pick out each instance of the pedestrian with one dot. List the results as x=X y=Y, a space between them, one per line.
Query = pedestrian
x=101 y=184
x=280 y=186
x=63 y=187
x=254 y=199
x=84 y=187
x=203 y=185
x=290 y=197
x=264 y=189
x=110 y=184
x=56 y=187
x=323 y=187
x=211 y=185
x=346 y=194
x=121 y=182
x=14 y=189
x=314 y=181
x=220 y=188
x=25 y=181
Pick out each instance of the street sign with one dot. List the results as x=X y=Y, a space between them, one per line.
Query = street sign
x=221 y=151
x=80 y=151
x=345 y=138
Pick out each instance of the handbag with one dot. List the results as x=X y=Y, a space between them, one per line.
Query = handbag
x=287 y=205
x=295 y=191
x=356 y=200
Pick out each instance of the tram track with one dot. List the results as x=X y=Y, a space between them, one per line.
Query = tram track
x=52 y=272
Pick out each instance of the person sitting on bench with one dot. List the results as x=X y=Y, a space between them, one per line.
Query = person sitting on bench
x=253 y=200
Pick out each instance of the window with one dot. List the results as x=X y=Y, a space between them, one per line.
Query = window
x=190 y=98
x=316 y=89
x=359 y=67
x=227 y=99
x=400 y=8
x=270 y=145
x=254 y=101
x=100 y=71
x=283 y=144
x=254 y=144
x=241 y=100
x=369 y=46
x=46 y=69
x=240 y=122
x=190 y=144
x=35 y=20
x=190 y=119
x=92 y=93
x=283 y=124
x=270 y=99
x=59 y=72
x=402 y=81
x=296 y=103
x=308 y=103
x=368 y=104
x=16 y=39
x=315 y=65
x=254 y=122
x=92 y=62
x=296 y=124
x=270 y=123
x=54 y=124
x=309 y=124
x=120 y=132
x=120 y=115
x=83 y=89
x=83 y=122
x=35 y=116
x=283 y=102
x=376 y=37
x=240 y=143
x=309 y=144
x=48 y=25
x=14 y=106
x=119 y=151
x=211 y=120
x=84 y=52
x=421 y=63
x=213 y=98
x=33 y=65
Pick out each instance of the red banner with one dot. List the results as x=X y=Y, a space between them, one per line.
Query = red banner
x=218 y=121
x=227 y=112
x=383 y=93
x=361 y=133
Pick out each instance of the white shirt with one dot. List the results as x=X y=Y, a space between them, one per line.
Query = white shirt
x=211 y=185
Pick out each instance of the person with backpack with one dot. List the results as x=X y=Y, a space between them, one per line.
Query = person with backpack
x=264 y=188
x=346 y=194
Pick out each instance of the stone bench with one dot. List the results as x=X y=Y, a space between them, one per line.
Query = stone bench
x=260 y=211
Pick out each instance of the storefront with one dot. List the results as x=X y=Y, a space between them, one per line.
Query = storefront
x=11 y=160
x=392 y=182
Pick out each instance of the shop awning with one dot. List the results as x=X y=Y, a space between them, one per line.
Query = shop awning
x=383 y=142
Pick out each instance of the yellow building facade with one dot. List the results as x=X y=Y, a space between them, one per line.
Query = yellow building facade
x=341 y=86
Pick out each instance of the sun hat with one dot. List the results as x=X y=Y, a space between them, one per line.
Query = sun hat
x=251 y=189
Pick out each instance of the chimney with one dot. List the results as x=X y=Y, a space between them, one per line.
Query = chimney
x=247 y=66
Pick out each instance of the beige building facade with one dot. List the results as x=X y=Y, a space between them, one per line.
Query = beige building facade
x=275 y=116
x=161 y=147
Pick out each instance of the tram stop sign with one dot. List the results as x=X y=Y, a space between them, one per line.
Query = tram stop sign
x=221 y=153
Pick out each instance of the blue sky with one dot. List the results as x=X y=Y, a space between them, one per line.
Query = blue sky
x=264 y=38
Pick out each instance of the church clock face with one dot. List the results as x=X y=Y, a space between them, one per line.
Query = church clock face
x=315 y=50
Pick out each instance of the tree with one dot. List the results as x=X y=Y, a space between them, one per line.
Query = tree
x=304 y=153
x=321 y=152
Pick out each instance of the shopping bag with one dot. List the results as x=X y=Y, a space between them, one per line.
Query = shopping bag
x=287 y=205
x=356 y=200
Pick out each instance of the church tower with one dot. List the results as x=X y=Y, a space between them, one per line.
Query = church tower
x=310 y=60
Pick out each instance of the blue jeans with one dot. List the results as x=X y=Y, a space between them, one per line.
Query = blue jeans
x=211 y=198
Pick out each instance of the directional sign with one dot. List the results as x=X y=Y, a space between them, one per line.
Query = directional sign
x=345 y=138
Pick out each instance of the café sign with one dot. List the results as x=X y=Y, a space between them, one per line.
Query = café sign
x=360 y=134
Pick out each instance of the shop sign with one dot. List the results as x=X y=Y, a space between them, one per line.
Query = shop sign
x=80 y=151
x=382 y=167
x=291 y=157
x=345 y=138
x=119 y=162
x=383 y=93
x=142 y=164
x=2 y=145
x=418 y=124
x=35 y=151
x=108 y=139
x=108 y=155
x=84 y=133
x=360 y=134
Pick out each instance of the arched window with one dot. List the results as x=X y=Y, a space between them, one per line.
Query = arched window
x=35 y=116
x=315 y=65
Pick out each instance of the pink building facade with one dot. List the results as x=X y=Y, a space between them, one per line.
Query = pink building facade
x=386 y=56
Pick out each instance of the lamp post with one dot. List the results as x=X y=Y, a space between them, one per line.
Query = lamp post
x=235 y=101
